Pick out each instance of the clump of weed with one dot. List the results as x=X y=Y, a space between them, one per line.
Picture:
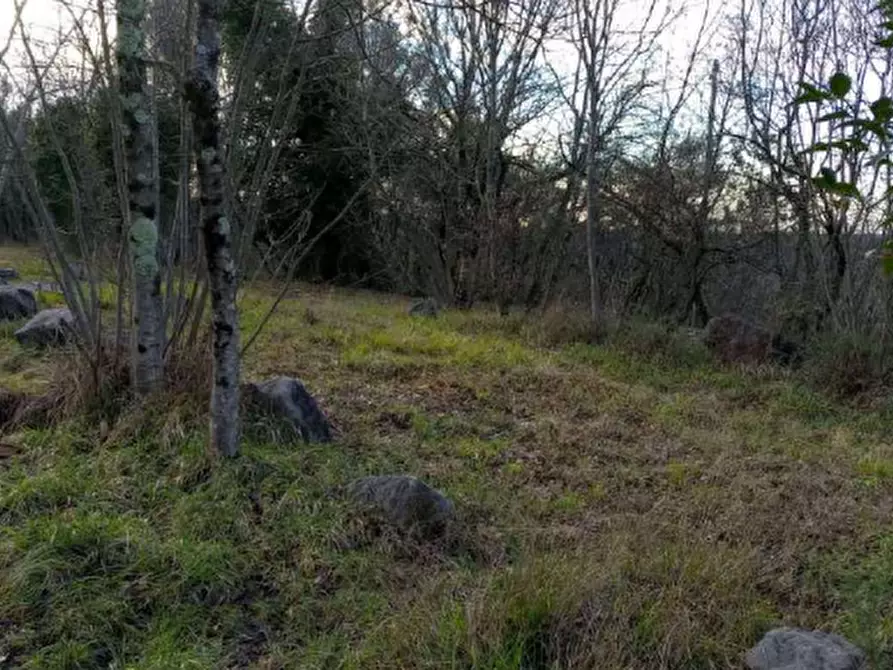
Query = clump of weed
x=560 y=326
x=658 y=341
x=606 y=607
x=849 y=365
x=860 y=582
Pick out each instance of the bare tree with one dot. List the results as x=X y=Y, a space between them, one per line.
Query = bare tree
x=779 y=46
x=616 y=60
x=34 y=87
x=148 y=368
x=485 y=84
x=203 y=93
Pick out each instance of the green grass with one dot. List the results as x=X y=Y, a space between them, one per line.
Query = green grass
x=628 y=505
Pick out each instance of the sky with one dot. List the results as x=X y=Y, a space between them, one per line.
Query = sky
x=42 y=17
x=46 y=19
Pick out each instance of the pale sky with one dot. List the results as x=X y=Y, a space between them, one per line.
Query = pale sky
x=45 y=20
x=42 y=17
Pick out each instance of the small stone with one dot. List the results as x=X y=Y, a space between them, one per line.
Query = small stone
x=426 y=307
x=797 y=649
x=16 y=302
x=49 y=327
x=405 y=502
x=287 y=398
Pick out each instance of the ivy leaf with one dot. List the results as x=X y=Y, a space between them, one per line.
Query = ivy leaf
x=827 y=177
x=882 y=108
x=827 y=181
x=871 y=126
x=816 y=148
x=851 y=144
x=846 y=190
x=810 y=93
x=835 y=116
x=840 y=84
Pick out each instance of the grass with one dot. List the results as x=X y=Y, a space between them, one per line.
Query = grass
x=619 y=507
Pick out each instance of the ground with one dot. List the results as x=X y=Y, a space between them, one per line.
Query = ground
x=627 y=505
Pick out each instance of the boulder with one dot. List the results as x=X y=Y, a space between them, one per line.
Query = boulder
x=16 y=303
x=736 y=340
x=796 y=649
x=405 y=502
x=427 y=307
x=48 y=327
x=7 y=274
x=287 y=399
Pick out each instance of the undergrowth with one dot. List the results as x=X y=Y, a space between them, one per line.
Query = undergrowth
x=622 y=503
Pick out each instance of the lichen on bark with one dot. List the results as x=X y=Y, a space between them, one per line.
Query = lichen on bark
x=203 y=96
x=144 y=239
x=137 y=129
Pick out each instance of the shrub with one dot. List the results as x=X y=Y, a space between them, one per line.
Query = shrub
x=848 y=365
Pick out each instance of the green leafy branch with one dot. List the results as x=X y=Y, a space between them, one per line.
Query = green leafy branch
x=860 y=127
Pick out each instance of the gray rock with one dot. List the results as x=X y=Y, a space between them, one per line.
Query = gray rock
x=16 y=303
x=48 y=327
x=286 y=398
x=796 y=649
x=426 y=307
x=405 y=502
x=40 y=286
x=7 y=274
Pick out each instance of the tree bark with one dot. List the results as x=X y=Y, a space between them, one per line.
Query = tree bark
x=217 y=231
x=148 y=361
x=593 y=213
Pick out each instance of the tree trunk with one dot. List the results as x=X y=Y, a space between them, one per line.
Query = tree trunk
x=148 y=361
x=204 y=97
x=804 y=257
x=592 y=218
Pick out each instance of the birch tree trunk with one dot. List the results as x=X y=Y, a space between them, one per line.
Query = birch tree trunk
x=204 y=97
x=593 y=204
x=148 y=361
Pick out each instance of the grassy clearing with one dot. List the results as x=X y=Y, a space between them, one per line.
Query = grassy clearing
x=621 y=507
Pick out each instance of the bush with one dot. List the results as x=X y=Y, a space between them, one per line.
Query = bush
x=849 y=365
x=559 y=327
x=650 y=340
x=658 y=341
